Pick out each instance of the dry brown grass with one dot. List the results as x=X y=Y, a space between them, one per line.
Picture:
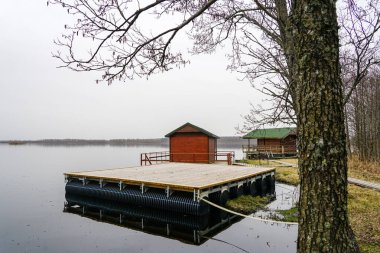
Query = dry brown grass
x=288 y=160
x=287 y=175
x=261 y=162
x=369 y=171
x=364 y=214
x=363 y=209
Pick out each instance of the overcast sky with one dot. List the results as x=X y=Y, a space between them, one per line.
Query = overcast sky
x=38 y=100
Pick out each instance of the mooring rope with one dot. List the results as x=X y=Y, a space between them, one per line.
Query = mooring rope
x=246 y=216
x=218 y=240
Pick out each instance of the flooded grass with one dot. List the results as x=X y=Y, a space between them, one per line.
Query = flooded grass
x=290 y=215
x=248 y=204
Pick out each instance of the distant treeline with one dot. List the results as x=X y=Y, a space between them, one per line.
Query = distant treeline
x=223 y=142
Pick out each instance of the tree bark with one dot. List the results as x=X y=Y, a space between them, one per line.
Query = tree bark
x=323 y=222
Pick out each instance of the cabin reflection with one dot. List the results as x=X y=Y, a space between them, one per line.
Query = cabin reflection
x=189 y=229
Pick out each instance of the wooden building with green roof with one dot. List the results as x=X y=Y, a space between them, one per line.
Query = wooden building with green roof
x=272 y=142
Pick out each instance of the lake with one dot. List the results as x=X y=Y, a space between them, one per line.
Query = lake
x=32 y=217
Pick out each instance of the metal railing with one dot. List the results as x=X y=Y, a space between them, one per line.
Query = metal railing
x=166 y=156
x=279 y=149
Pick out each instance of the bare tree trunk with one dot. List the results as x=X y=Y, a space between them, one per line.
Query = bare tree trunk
x=348 y=144
x=366 y=118
x=323 y=223
x=346 y=124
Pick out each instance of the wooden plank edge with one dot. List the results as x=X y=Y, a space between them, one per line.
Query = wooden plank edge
x=135 y=182
x=238 y=179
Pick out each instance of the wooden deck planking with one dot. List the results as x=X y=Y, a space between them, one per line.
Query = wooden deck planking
x=185 y=176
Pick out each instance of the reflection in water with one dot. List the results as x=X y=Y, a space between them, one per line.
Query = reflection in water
x=186 y=228
x=32 y=192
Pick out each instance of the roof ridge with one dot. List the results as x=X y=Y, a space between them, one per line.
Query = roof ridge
x=270 y=133
x=194 y=126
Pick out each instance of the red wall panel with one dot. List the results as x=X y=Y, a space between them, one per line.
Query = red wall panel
x=189 y=147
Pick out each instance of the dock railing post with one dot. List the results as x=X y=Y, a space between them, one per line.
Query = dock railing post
x=229 y=159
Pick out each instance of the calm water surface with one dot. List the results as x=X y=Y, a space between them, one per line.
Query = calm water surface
x=32 y=197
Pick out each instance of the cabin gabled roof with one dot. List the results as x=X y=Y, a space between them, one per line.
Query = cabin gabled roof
x=191 y=129
x=271 y=133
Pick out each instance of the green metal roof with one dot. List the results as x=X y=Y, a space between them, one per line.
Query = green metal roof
x=270 y=133
x=193 y=126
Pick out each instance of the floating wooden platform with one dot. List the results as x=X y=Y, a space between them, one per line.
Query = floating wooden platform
x=172 y=186
x=176 y=176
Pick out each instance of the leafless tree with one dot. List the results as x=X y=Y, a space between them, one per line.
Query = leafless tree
x=363 y=111
x=292 y=47
x=257 y=37
x=359 y=52
x=360 y=43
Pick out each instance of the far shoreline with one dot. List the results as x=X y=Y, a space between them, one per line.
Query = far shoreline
x=226 y=141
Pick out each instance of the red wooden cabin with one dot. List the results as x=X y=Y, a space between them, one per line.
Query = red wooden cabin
x=190 y=143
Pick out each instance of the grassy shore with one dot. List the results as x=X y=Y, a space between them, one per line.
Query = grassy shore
x=261 y=162
x=363 y=204
x=369 y=171
x=364 y=213
x=287 y=175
